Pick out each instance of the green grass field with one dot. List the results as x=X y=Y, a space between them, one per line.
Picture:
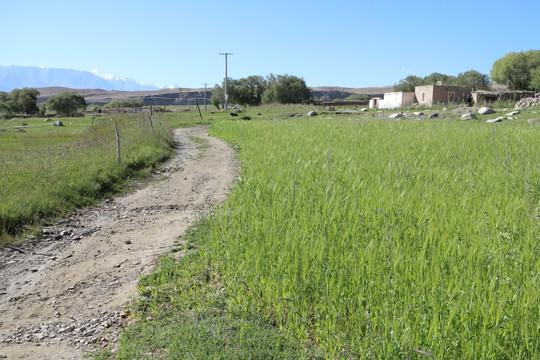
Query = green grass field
x=346 y=236
x=47 y=170
x=360 y=237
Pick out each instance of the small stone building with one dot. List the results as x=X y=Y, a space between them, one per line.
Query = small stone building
x=486 y=97
x=441 y=94
x=396 y=100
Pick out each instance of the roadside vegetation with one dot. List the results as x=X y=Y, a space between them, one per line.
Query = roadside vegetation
x=357 y=237
x=48 y=170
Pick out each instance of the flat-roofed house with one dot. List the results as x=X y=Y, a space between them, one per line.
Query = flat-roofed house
x=441 y=94
x=396 y=100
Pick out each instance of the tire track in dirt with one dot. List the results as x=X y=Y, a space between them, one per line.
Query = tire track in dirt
x=61 y=295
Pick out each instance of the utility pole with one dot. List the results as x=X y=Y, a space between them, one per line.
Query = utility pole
x=205 y=96
x=226 y=95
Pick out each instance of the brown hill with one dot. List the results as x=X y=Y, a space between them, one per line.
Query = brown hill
x=190 y=96
x=366 y=91
x=157 y=97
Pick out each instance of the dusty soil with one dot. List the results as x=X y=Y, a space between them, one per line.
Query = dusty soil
x=62 y=294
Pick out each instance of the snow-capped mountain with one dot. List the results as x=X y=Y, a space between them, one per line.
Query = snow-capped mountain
x=123 y=83
x=18 y=77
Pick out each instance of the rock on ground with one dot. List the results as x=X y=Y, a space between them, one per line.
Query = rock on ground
x=468 y=116
x=485 y=111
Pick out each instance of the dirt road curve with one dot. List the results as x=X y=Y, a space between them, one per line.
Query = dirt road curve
x=61 y=296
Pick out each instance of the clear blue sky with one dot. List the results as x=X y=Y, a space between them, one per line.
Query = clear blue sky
x=328 y=43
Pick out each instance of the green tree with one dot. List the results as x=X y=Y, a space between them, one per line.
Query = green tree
x=66 y=104
x=218 y=96
x=7 y=106
x=43 y=109
x=25 y=100
x=433 y=78
x=517 y=70
x=286 y=89
x=409 y=83
x=125 y=103
x=232 y=85
x=21 y=101
x=4 y=96
x=249 y=91
x=535 y=78
x=474 y=79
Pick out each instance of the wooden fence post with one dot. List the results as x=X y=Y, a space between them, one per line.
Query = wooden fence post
x=200 y=114
x=151 y=114
x=117 y=141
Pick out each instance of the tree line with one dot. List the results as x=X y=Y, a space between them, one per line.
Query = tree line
x=472 y=78
x=24 y=101
x=255 y=90
x=517 y=70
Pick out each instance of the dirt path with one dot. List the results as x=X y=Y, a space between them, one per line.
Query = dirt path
x=61 y=296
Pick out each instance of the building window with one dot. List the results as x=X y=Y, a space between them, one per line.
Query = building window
x=451 y=97
x=423 y=96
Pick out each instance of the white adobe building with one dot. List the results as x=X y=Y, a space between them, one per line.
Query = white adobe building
x=396 y=100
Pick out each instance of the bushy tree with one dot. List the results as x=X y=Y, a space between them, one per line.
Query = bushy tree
x=66 y=104
x=409 y=83
x=435 y=77
x=535 y=78
x=218 y=96
x=248 y=91
x=7 y=105
x=474 y=79
x=518 y=70
x=125 y=103
x=286 y=89
x=255 y=90
x=245 y=91
x=21 y=101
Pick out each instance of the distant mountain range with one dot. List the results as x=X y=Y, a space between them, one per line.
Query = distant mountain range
x=18 y=77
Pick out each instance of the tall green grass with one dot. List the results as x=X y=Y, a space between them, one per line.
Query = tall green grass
x=380 y=239
x=50 y=170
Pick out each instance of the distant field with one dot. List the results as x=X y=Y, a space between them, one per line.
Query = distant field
x=367 y=238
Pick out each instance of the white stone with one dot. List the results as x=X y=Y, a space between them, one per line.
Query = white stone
x=485 y=110
x=468 y=116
